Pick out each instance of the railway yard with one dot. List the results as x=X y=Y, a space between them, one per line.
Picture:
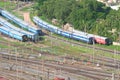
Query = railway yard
x=57 y=57
x=50 y=65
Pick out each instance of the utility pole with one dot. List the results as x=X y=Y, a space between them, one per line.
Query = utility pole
x=48 y=74
x=21 y=68
x=16 y=62
x=113 y=76
x=68 y=78
x=1 y=60
x=37 y=74
x=118 y=61
x=43 y=69
x=17 y=4
x=51 y=39
x=118 y=71
x=5 y=4
x=93 y=50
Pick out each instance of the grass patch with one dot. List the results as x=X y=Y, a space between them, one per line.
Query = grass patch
x=61 y=48
x=111 y=47
x=3 y=46
x=17 y=14
x=27 y=9
x=4 y=5
x=2 y=39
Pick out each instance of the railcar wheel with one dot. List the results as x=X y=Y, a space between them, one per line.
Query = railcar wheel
x=25 y=38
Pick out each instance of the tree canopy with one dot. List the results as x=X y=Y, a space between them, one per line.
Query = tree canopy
x=85 y=15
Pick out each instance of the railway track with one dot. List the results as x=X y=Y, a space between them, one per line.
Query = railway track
x=85 y=72
x=32 y=70
x=108 y=62
x=22 y=47
x=81 y=72
x=100 y=59
x=88 y=72
x=12 y=75
x=84 y=45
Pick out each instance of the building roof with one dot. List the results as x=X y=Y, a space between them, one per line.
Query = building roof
x=2 y=78
x=115 y=7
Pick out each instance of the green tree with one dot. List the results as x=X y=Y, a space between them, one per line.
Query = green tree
x=86 y=15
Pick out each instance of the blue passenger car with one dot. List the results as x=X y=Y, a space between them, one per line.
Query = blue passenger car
x=20 y=22
x=43 y=24
x=13 y=34
x=83 y=38
x=65 y=34
x=30 y=35
x=40 y=23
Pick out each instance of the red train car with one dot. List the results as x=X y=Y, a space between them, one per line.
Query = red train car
x=102 y=40
x=97 y=39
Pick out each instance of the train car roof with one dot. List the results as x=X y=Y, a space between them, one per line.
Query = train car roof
x=83 y=35
x=43 y=22
x=90 y=35
x=75 y=32
x=2 y=78
x=79 y=32
x=15 y=28
x=96 y=36
x=20 y=20
x=9 y=30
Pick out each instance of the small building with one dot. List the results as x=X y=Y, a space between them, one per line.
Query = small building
x=68 y=27
x=116 y=7
x=55 y=21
